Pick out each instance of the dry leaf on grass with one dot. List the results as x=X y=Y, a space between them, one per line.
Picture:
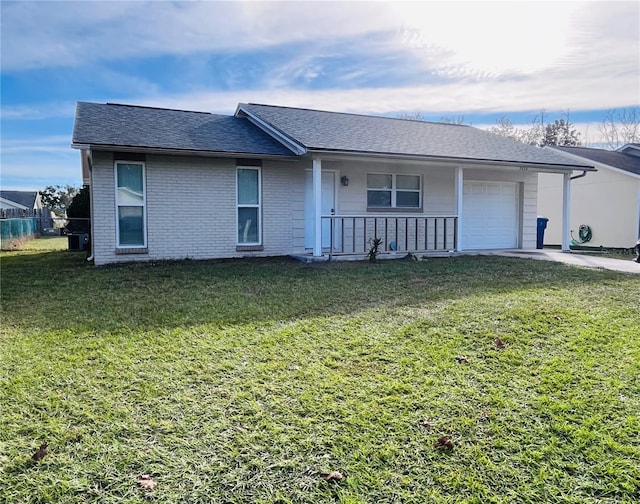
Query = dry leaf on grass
x=499 y=343
x=484 y=416
x=147 y=482
x=443 y=443
x=333 y=476
x=41 y=452
x=426 y=423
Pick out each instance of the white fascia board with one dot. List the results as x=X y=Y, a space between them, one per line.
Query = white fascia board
x=630 y=146
x=598 y=164
x=278 y=135
x=13 y=204
x=466 y=163
x=186 y=152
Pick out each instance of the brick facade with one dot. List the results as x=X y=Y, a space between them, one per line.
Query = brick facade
x=191 y=204
x=191 y=209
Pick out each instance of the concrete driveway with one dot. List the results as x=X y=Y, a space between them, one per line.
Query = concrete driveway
x=575 y=259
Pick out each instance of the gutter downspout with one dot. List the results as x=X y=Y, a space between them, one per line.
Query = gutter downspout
x=90 y=163
x=566 y=209
x=566 y=224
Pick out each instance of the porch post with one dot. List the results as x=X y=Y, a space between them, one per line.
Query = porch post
x=317 y=207
x=459 y=192
x=566 y=211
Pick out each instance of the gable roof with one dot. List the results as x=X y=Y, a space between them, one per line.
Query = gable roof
x=266 y=130
x=615 y=159
x=321 y=131
x=630 y=148
x=113 y=126
x=23 y=198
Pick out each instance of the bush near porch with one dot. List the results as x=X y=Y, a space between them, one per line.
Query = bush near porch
x=245 y=381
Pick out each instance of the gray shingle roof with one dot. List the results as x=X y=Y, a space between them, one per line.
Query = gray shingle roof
x=24 y=198
x=626 y=162
x=333 y=131
x=154 y=128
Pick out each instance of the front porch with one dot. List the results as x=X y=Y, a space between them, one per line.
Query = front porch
x=418 y=207
x=353 y=235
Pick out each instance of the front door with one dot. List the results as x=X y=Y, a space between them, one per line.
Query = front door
x=328 y=207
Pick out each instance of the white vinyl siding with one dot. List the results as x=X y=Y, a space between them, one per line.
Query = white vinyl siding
x=131 y=225
x=608 y=201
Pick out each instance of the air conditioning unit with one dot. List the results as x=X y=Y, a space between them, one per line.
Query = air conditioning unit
x=78 y=241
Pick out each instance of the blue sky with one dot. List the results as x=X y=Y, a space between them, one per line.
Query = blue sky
x=475 y=59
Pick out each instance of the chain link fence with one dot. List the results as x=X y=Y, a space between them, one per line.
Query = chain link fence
x=18 y=226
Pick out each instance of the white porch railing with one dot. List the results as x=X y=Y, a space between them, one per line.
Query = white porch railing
x=353 y=234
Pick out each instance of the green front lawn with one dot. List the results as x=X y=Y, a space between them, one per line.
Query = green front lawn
x=245 y=381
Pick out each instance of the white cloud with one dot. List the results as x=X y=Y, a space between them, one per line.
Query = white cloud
x=488 y=38
x=491 y=38
x=36 y=112
x=53 y=169
x=45 y=34
x=49 y=144
x=37 y=162
x=35 y=172
x=551 y=92
x=492 y=55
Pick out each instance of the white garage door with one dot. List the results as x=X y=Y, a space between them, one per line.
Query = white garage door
x=490 y=215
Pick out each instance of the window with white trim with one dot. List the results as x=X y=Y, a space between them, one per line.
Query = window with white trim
x=131 y=225
x=393 y=191
x=249 y=205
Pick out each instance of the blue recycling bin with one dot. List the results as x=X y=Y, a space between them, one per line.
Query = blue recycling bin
x=542 y=225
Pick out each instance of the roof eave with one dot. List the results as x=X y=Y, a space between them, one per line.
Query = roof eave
x=449 y=160
x=14 y=203
x=607 y=166
x=182 y=152
x=268 y=128
x=629 y=146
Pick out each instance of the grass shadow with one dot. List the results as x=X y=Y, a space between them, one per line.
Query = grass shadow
x=61 y=291
x=250 y=378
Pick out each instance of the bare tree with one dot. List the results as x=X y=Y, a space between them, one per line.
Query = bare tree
x=620 y=127
x=532 y=135
x=559 y=132
x=416 y=116
x=452 y=120
x=504 y=127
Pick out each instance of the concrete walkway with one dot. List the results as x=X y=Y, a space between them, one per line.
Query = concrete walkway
x=575 y=259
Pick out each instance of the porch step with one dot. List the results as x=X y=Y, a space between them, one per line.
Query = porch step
x=308 y=258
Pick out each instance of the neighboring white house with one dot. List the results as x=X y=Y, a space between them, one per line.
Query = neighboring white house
x=607 y=201
x=267 y=181
x=21 y=200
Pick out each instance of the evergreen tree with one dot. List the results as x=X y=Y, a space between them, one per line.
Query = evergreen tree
x=58 y=198
x=78 y=211
x=561 y=132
